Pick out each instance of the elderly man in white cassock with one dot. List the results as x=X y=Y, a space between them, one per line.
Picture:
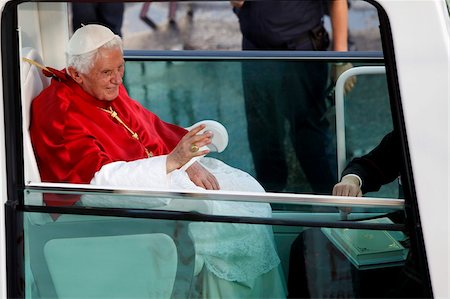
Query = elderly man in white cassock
x=86 y=129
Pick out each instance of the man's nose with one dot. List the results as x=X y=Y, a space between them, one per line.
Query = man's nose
x=117 y=77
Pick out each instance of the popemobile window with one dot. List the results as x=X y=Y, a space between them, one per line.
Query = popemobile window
x=213 y=149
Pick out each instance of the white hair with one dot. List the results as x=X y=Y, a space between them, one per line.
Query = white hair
x=83 y=63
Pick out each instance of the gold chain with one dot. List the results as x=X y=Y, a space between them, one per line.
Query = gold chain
x=115 y=116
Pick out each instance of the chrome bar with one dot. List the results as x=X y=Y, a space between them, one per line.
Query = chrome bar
x=340 y=111
x=148 y=55
x=279 y=198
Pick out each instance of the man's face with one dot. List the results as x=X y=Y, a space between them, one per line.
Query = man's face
x=105 y=77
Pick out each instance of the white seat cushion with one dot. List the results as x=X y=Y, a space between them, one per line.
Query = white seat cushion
x=33 y=82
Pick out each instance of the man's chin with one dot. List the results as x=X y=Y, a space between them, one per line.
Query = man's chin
x=111 y=97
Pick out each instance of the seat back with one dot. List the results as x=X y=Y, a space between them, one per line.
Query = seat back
x=129 y=266
x=33 y=82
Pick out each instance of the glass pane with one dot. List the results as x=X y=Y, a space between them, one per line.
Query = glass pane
x=185 y=92
x=268 y=117
x=92 y=256
x=236 y=257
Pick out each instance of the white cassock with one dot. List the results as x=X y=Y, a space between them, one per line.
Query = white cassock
x=233 y=260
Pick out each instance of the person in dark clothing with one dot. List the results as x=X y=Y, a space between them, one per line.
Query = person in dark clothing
x=363 y=174
x=369 y=172
x=276 y=91
x=108 y=14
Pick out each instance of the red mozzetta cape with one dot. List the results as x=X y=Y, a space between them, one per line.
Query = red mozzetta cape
x=73 y=138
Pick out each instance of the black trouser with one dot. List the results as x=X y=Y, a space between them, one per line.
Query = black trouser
x=276 y=91
x=107 y=14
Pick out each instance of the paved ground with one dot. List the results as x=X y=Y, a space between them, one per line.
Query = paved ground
x=213 y=26
x=184 y=92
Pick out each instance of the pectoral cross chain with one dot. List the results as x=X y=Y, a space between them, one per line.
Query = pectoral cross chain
x=135 y=135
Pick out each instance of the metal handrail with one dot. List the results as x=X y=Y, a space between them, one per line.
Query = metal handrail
x=199 y=55
x=266 y=197
x=340 y=111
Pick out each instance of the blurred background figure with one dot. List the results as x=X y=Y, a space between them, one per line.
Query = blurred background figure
x=103 y=13
x=277 y=91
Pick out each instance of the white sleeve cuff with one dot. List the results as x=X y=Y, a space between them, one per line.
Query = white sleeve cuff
x=355 y=176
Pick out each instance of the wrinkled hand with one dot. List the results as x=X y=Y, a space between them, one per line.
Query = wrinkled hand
x=183 y=152
x=348 y=186
x=237 y=3
x=337 y=70
x=202 y=177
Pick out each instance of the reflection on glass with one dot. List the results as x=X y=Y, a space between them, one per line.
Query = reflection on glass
x=94 y=256
x=212 y=93
x=124 y=256
x=90 y=256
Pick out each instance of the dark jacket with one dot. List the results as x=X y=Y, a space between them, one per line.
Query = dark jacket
x=274 y=24
x=380 y=166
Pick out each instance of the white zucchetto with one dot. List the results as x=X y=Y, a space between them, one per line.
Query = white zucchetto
x=89 y=38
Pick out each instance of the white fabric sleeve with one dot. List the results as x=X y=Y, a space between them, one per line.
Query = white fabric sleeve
x=145 y=173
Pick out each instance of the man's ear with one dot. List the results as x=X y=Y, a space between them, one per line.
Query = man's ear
x=76 y=76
